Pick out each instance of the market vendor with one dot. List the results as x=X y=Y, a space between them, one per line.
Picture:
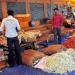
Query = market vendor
x=57 y=22
x=11 y=27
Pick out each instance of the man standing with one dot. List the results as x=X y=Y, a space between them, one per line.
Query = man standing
x=57 y=22
x=11 y=26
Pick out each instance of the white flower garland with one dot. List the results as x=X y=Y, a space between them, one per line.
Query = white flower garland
x=59 y=63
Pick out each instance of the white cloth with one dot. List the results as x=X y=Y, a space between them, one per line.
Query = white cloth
x=41 y=65
x=11 y=25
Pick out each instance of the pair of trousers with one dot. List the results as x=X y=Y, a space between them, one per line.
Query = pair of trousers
x=57 y=35
x=14 y=54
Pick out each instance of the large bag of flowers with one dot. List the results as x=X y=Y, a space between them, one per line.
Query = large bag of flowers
x=31 y=57
x=60 y=63
x=53 y=49
x=70 y=42
x=3 y=59
x=3 y=64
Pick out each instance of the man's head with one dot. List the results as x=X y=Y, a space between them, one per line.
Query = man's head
x=10 y=12
x=56 y=11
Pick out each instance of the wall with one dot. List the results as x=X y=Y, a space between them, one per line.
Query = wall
x=27 y=8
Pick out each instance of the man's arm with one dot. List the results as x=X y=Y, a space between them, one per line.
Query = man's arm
x=2 y=26
x=18 y=26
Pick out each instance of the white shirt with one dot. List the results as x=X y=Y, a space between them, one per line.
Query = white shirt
x=10 y=24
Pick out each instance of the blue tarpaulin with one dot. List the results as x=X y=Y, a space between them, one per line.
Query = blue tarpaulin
x=26 y=70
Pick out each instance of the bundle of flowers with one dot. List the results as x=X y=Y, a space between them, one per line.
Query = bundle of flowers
x=3 y=41
x=28 y=35
x=71 y=52
x=2 y=55
x=70 y=42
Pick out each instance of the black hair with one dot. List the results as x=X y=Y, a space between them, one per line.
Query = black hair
x=10 y=12
x=62 y=11
x=56 y=9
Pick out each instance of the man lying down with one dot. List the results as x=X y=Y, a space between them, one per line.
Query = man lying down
x=61 y=62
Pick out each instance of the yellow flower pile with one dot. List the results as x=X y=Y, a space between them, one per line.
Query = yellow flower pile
x=28 y=35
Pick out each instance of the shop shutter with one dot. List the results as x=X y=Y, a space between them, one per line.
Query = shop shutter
x=1 y=16
x=18 y=7
x=37 y=11
x=52 y=6
x=50 y=10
